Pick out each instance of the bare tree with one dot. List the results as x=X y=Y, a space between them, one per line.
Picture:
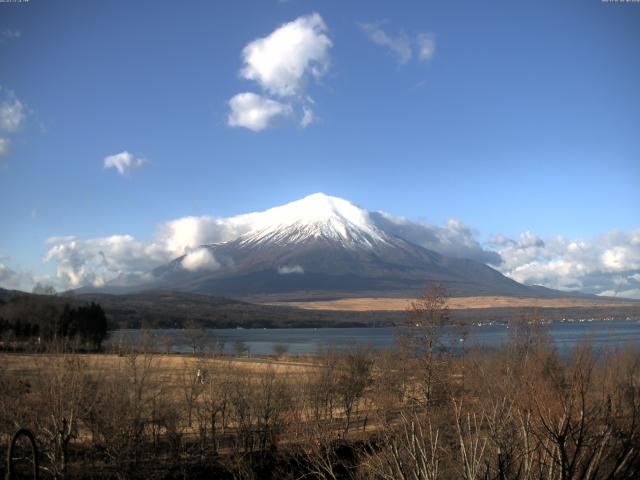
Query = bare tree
x=124 y=410
x=196 y=337
x=471 y=442
x=426 y=317
x=212 y=411
x=272 y=400
x=353 y=379
x=411 y=450
x=279 y=349
x=192 y=380
x=240 y=348
x=529 y=333
x=64 y=394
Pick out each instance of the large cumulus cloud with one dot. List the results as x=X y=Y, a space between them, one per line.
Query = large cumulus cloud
x=125 y=260
x=608 y=264
x=282 y=61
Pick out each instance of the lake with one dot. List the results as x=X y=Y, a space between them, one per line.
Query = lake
x=306 y=341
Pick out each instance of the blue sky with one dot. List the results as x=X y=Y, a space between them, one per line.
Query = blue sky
x=519 y=117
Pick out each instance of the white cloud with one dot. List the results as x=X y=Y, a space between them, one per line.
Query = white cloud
x=124 y=162
x=97 y=261
x=200 y=259
x=126 y=260
x=282 y=61
x=12 y=111
x=177 y=237
x=289 y=269
x=12 y=279
x=5 y=146
x=602 y=265
x=401 y=46
x=426 y=46
x=281 y=64
x=619 y=257
x=255 y=112
x=8 y=277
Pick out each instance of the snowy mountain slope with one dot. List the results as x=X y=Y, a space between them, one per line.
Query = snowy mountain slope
x=315 y=216
x=324 y=243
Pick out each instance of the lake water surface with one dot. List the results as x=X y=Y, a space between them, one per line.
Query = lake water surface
x=305 y=341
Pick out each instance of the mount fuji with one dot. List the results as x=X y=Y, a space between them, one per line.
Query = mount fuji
x=324 y=246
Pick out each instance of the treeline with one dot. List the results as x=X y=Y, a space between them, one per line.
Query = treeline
x=161 y=309
x=36 y=321
x=415 y=413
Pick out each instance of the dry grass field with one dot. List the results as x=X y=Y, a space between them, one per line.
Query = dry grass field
x=353 y=415
x=134 y=416
x=400 y=304
x=169 y=367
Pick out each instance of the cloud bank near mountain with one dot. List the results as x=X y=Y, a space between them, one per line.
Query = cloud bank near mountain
x=200 y=259
x=608 y=264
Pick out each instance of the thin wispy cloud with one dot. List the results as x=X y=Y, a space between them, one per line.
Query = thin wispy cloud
x=308 y=117
x=13 y=115
x=15 y=279
x=426 y=46
x=5 y=146
x=281 y=64
x=12 y=111
x=400 y=45
x=124 y=162
x=8 y=34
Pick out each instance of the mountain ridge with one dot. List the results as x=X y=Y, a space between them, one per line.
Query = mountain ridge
x=323 y=243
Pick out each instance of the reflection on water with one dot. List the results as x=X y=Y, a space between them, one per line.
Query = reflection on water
x=305 y=341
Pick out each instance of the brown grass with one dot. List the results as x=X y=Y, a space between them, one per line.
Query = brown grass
x=168 y=365
x=400 y=304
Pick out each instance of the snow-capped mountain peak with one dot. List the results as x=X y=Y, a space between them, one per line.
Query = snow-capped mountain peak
x=312 y=217
x=327 y=244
